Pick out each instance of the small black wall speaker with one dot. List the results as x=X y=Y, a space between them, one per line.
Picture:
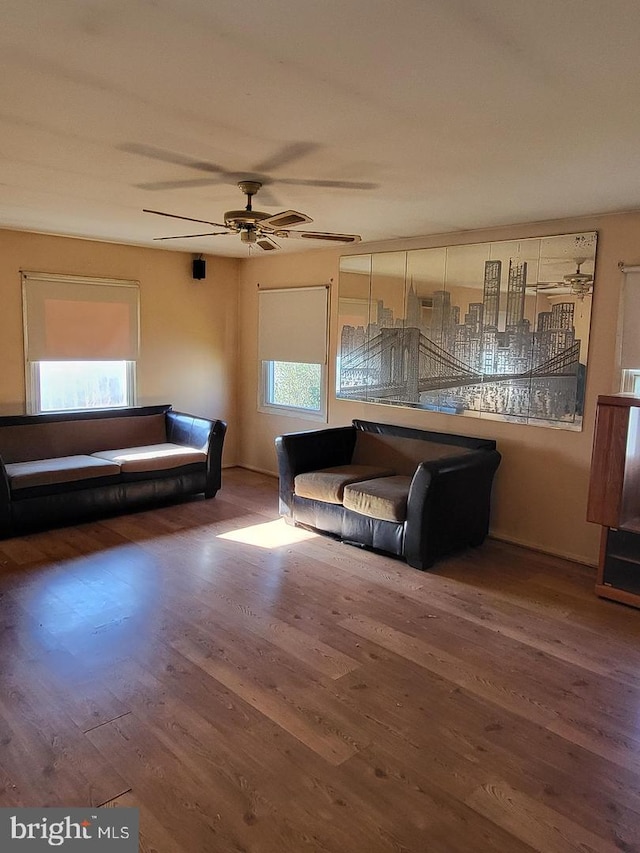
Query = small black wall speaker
x=199 y=268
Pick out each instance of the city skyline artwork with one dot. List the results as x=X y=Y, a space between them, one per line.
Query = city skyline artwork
x=494 y=330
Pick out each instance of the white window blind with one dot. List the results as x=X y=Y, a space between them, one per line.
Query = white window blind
x=69 y=318
x=630 y=321
x=293 y=325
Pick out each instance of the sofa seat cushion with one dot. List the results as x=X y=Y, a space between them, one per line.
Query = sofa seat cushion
x=61 y=469
x=327 y=484
x=384 y=498
x=152 y=457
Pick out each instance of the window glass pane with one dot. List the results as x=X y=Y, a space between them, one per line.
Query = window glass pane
x=68 y=385
x=631 y=382
x=294 y=384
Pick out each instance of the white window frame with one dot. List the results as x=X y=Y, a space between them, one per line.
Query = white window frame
x=631 y=382
x=32 y=368
x=283 y=336
x=627 y=347
x=265 y=396
x=34 y=397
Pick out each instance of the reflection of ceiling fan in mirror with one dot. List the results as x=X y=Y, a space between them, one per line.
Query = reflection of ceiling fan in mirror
x=256 y=227
x=576 y=283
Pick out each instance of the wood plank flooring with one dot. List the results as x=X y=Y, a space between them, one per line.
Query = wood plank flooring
x=253 y=688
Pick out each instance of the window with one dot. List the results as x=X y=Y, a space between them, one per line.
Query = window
x=293 y=385
x=631 y=382
x=628 y=338
x=81 y=342
x=68 y=385
x=293 y=351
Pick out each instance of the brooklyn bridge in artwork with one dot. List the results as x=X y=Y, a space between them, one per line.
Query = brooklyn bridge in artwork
x=485 y=358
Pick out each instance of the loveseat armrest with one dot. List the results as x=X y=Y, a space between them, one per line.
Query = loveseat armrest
x=204 y=434
x=449 y=506
x=311 y=450
x=5 y=501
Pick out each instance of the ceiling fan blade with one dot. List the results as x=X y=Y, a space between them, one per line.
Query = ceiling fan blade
x=186 y=218
x=320 y=235
x=171 y=157
x=176 y=185
x=267 y=243
x=184 y=236
x=287 y=154
x=346 y=185
x=285 y=219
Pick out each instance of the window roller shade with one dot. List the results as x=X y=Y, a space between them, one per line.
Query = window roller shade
x=630 y=350
x=69 y=319
x=293 y=325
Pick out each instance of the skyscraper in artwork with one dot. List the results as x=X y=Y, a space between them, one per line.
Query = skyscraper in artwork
x=515 y=293
x=491 y=293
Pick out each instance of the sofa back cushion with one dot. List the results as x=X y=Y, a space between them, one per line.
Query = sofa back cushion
x=401 y=454
x=46 y=440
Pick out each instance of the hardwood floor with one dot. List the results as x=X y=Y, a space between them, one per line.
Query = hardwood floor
x=311 y=696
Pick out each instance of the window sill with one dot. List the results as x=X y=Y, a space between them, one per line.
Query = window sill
x=293 y=412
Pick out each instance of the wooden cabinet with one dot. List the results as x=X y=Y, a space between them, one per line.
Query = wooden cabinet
x=614 y=496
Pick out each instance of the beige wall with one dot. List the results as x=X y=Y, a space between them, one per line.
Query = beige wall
x=188 y=343
x=199 y=352
x=541 y=488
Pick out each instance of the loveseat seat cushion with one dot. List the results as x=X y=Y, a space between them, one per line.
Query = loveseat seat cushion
x=61 y=469
x=384 y=497
x=152 y=457
x=328 y=484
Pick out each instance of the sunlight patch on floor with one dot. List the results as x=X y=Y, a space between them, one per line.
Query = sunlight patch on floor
x=271 y=534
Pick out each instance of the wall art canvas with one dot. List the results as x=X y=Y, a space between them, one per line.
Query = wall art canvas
x=492 y=330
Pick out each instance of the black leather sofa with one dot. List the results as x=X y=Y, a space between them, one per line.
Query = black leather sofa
x=63 y=467
x=412 y=493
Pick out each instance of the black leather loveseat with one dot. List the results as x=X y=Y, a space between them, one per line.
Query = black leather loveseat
x=409 y=492
x=59 y=468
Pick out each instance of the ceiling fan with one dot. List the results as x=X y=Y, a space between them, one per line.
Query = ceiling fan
x=257 y=227
x=217 y=174
x=576 y=283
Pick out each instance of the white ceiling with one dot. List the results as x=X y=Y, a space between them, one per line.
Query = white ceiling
x=462 y=113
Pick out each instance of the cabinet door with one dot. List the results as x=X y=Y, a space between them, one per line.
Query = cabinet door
x=621 y=569
x=606 y=480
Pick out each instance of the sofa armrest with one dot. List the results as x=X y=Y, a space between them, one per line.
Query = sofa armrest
x=299 y=452
x=5 y=500
x=207 y=435
x=449 y=505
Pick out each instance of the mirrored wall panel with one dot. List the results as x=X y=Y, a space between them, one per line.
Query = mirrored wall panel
x=493 y=330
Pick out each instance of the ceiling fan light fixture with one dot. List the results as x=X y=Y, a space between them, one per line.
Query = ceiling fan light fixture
x=248 y=235
x=581 y=290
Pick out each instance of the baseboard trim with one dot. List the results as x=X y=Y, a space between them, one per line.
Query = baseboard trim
x=257 y=470
x=500 y=537
x=563 y=555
